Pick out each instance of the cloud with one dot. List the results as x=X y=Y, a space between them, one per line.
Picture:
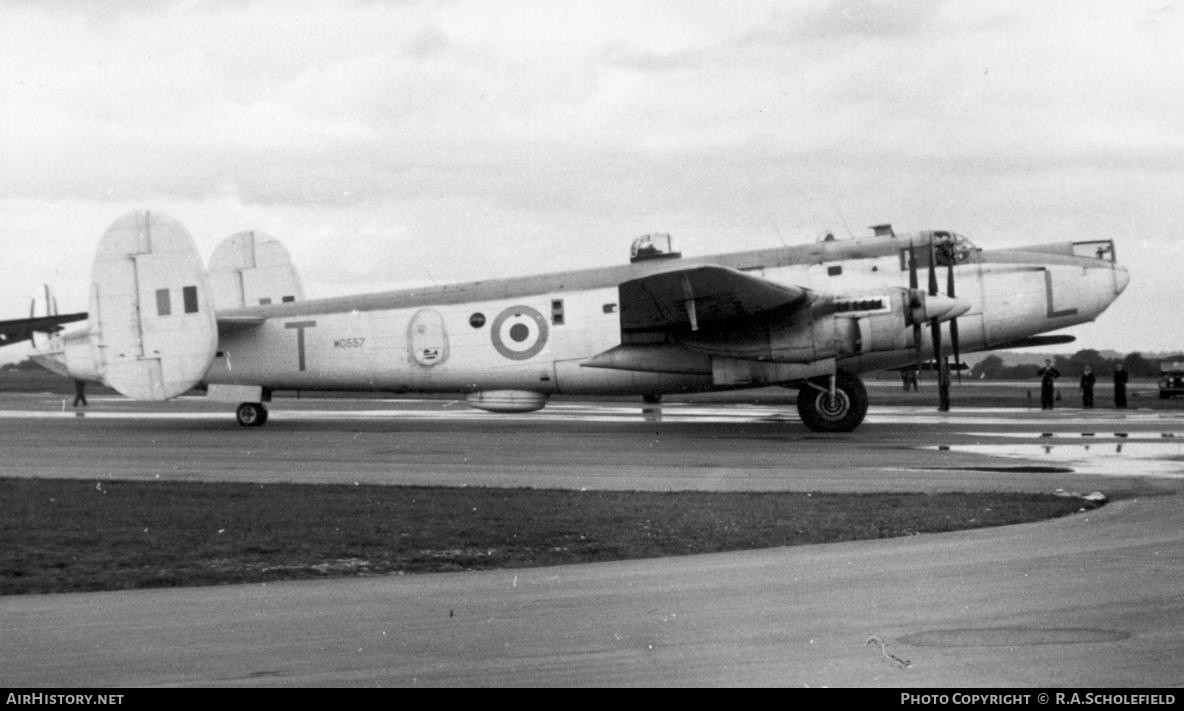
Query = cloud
x=859 y=20
x=555 y=132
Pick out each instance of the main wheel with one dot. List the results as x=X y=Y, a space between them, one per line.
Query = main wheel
x=842 y=412
x=251 y=414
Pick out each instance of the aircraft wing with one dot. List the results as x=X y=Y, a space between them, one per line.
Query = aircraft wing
x=700 y=294
x=22 y=329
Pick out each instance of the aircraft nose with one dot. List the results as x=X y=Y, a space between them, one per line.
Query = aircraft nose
x=1121 y=279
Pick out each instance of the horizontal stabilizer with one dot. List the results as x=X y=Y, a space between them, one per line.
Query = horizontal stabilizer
x=228 y=325
x=252 y=269
x=152 y=321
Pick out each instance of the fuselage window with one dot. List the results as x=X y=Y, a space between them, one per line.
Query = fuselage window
x=477 y=320
x=557 y=312
x=834 y=271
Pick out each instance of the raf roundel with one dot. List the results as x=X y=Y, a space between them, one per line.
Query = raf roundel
x=519 y=332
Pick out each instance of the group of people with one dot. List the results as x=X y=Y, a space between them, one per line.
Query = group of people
x=1048 y=378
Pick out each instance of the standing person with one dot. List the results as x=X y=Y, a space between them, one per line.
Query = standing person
x=1087 y=387
x=1120 y=379
x=79 y=393
x=1048 y=380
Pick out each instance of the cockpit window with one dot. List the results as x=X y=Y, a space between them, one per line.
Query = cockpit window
x=951 y=248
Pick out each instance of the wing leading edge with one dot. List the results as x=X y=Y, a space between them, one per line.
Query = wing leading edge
x=682 y=320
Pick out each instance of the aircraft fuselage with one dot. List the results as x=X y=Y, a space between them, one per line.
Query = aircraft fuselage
x=811 y=317
x=533 y=333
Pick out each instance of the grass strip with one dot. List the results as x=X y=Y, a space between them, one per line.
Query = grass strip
x=68 y=535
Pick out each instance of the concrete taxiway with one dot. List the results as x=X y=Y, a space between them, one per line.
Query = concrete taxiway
x=1089 y=600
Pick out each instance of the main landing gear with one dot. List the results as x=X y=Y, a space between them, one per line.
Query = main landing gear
x=251 y=414
x=840 y=407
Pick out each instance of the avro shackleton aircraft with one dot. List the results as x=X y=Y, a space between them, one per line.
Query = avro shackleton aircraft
x=18 y=330
x=810 y=317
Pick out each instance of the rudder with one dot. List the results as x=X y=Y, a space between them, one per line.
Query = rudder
x=250 y=269
x=152 y=320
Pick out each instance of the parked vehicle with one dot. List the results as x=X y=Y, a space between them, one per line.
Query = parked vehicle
x=1171 y=379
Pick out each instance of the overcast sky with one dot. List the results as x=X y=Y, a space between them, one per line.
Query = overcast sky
x=401 y=142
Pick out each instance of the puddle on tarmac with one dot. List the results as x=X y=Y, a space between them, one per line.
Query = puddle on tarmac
x=1111 y=455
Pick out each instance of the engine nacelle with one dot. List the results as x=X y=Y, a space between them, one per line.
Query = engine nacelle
x=830 y=327
x=873 y=323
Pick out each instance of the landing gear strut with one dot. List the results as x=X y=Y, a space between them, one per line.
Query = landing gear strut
x=251 y=414
x=836 y=404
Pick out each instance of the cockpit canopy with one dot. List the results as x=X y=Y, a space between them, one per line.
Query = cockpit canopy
x=951 y=248
x=657 y=245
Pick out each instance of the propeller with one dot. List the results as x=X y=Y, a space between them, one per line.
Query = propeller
x=953 y=321
x=933 y=306
x=934 y=324
x=916 y=303
x=942 y=365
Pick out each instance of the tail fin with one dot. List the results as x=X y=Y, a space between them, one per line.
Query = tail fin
x=152 y=326
x=43 y=304
x=252 y=268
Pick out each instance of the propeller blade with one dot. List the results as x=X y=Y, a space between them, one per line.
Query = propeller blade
x=932 y=270
x=912 y=267
x=935 y=332
x=917 y=343
x=950 y=280
x=943 y=373
x=954 y=345
x=934 y=324
x=953 y=321
x=912 y=290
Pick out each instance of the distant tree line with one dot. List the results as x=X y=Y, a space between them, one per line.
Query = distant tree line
x=993 y=367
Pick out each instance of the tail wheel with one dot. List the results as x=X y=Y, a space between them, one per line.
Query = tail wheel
x=251 y=414
x=841 y=412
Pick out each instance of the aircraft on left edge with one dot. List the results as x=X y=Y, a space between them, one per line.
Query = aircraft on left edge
x=19 y=330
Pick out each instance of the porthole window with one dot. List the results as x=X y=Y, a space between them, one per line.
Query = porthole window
x=477 y=320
